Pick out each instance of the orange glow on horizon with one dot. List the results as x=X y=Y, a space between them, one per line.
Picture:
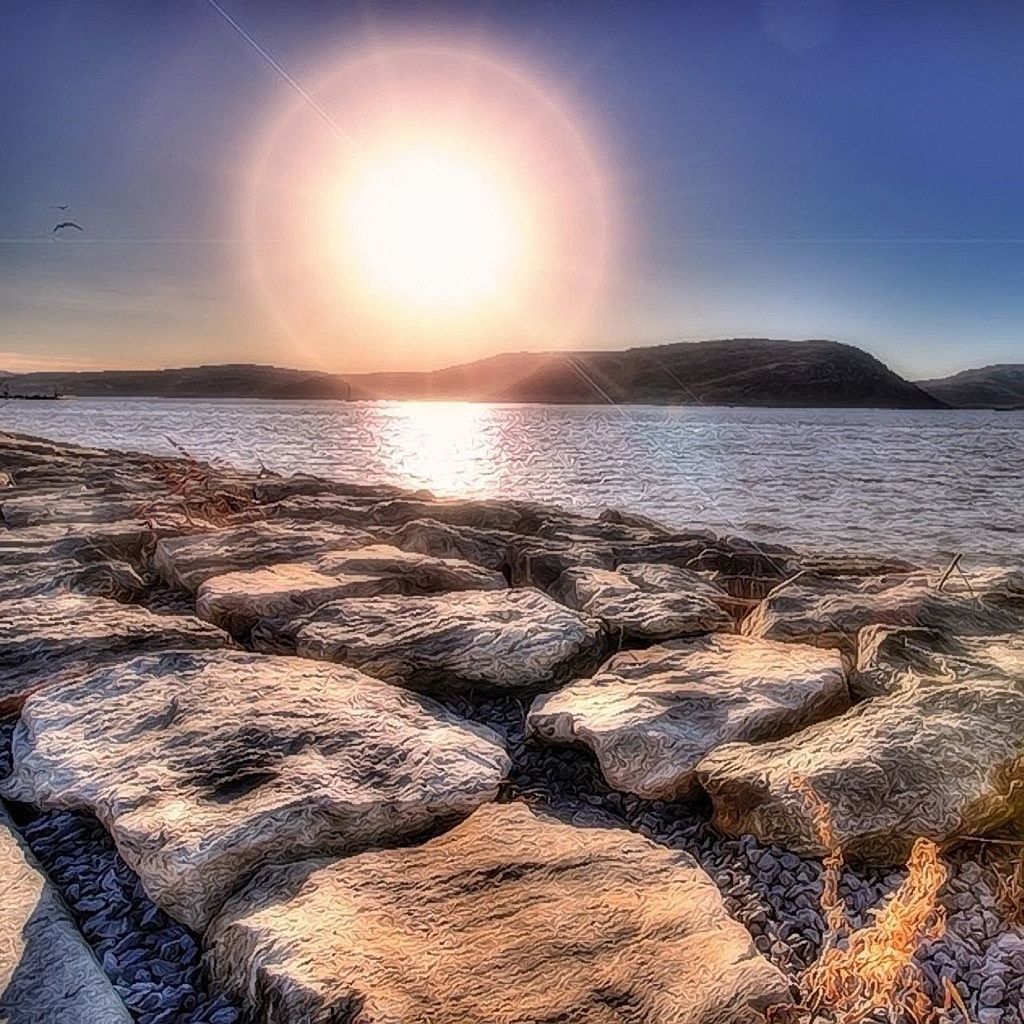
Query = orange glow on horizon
x=428 y=205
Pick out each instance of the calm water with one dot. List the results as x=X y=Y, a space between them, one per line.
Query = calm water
x=923 y=484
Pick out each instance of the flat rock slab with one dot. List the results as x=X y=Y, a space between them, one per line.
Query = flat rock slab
x=125 y=539
x=538 y=562
x=48 y=975
x=507 y=919
x=893 y=658
x=488 y=548
x=237 y=601
x=830 y=611
x=644 y=603
x=491 y=514
x=650 y=716
x=53 y=637
x=115 y=580
x=204 y=766
x=935 y=761
x=37 y=509
x=493 y=640
x=186 y=562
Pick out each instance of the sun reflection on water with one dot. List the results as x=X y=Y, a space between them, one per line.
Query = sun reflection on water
x=446 y=447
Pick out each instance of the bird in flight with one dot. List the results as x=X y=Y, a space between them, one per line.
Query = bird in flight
x=67 y=224
x=64 y=207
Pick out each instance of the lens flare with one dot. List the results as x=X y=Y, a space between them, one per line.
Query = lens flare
x=434 y=204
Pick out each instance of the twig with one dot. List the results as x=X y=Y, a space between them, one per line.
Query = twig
x=953 y=566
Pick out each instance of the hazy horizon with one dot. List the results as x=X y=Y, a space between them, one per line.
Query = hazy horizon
x=448 y=365
x=785 y=169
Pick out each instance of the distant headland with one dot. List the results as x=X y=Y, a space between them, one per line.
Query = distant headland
x=738 y=372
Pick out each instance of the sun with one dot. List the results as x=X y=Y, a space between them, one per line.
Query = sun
x=421 y=205
x=434 y=228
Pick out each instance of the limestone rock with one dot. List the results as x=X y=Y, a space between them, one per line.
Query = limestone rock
x=53 y=637
x=204 y=766
x=507 y=919
x=492 y=640
x=744 y=569
x=186 y=562
x=844 y=564
x=624 y=542
x=623 y=517
x=651 y=715
x=269 y=488
x=644 y=603
x=830 y=611
x=892 y=658
x=323 y=508
x=38 y=508
x=536 y=562
x=482 y=514
x=124 y=540
x=934 y=761
x=238 y=600
x=488 y=548
x=48 y=975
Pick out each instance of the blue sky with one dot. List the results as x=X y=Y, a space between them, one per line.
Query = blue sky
x=786 y=169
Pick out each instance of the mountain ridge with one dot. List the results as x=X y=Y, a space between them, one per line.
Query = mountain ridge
x=996 y=386
x=734 y=371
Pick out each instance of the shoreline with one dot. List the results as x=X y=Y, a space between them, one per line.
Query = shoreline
x=170 y=538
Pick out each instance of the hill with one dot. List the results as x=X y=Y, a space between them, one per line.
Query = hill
x=230 y=380
x=745 y=371
x=1000 y=386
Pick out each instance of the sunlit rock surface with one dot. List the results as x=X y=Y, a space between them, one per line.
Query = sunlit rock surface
x=186 y=562
x=204 y=766
x=48 y=975
x=934 y=761
x=491 y=514
x=651 y=715
x=492 y=640
x=237 y=601
x=51 y=638
x=507 y=918
x=830 y=611
x=891 y=658
x=488 y=548
x=644 y=603
x=58 y=506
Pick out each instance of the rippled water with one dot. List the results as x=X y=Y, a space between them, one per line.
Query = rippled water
x=923 y=484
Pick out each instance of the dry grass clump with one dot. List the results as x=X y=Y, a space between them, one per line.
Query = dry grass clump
x=871 y=969
x=200 y=496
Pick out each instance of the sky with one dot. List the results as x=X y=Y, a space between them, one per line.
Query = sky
x=786 y=168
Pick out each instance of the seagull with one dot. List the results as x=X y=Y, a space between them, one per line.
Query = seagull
x=64 y=207
x=67 y=224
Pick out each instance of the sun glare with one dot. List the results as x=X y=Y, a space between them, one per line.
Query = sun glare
x=434 y=229
x=425 y=204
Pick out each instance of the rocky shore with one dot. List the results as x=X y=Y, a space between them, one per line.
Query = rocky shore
x=294 y=750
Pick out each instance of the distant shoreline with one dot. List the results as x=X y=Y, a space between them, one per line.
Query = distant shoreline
x=293 y=399
x=737 y=372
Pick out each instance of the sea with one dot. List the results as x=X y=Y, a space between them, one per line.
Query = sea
x=923 y=485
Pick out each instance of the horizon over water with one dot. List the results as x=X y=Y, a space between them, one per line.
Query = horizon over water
x=916 y=484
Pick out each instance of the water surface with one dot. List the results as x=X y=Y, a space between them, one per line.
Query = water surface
x=921 y=484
